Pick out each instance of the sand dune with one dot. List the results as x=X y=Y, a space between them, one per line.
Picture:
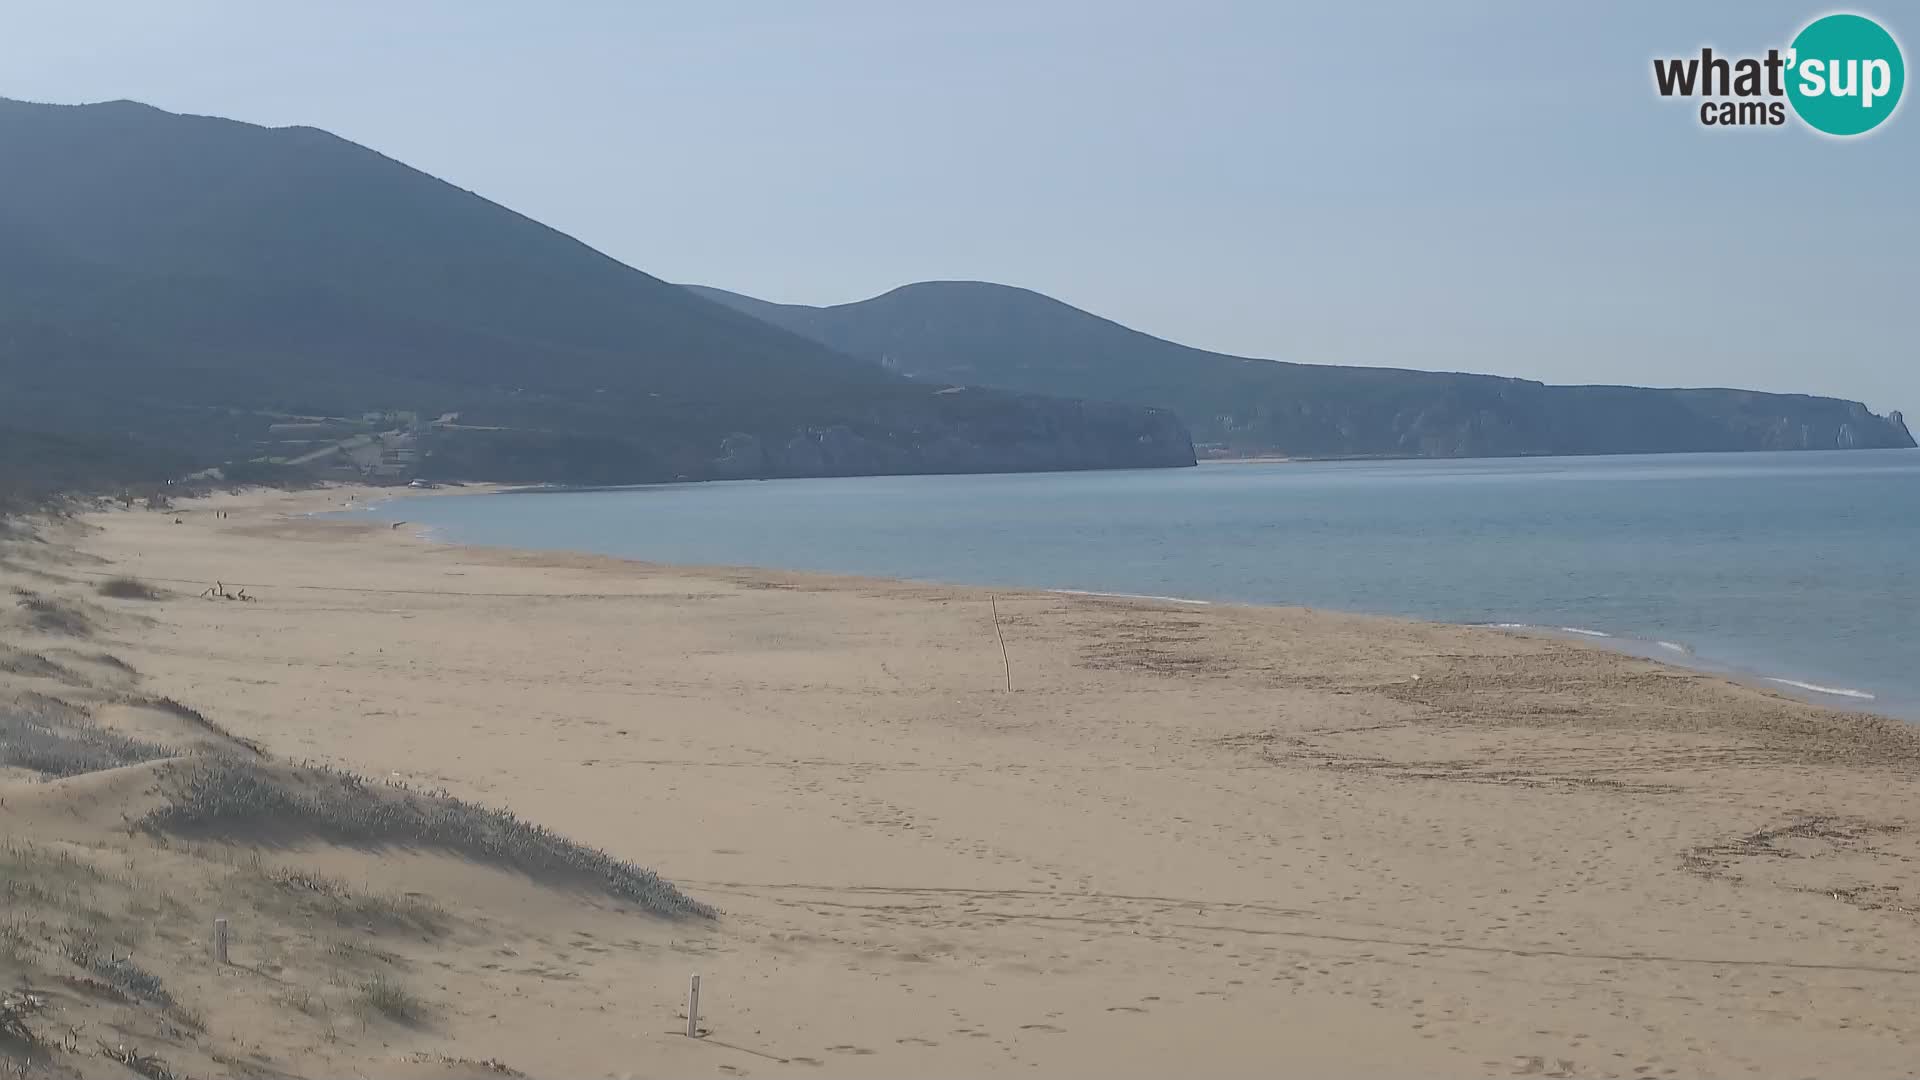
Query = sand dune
x=1213 y=841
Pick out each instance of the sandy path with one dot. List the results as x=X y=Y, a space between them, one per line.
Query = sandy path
x=1192 y=840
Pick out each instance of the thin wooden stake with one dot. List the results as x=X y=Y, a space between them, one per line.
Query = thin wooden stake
x=1005 y=664
x=693 y=1008
x=220 y=941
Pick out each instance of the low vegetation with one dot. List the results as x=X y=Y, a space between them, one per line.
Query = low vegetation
x=108 y=660
x=311 y=896
x=129 y=588
x=66 y=746
x=16 y=661
x=50 y=615
x=67 y=913
x=15 y=942
x=488 y=1065
x=218 y=793
x=136 y=981
x=108 y=890
x=16 y=1009
x=147 y=1065
x=385 y=997
x=196 y=719
x=302 y=1000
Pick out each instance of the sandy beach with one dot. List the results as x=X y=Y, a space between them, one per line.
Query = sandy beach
x=1189 y=840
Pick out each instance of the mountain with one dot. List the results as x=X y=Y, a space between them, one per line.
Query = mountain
x=995 y=335
x=215 y=290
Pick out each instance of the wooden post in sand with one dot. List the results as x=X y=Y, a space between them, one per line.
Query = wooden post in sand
x=1005 y=664
x=693 y=1008
x=220 y=941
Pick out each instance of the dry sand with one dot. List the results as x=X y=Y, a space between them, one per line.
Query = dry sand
x=1191 y=841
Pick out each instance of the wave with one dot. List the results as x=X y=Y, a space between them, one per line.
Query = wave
x=1670 y=646
x=1582 y=631
x=1836 y=691
x=1684 y=650
x=1131 y=596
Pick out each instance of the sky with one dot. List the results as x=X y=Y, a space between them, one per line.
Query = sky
x=1472 y=186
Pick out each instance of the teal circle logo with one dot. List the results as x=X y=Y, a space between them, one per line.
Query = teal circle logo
x=1845 y=74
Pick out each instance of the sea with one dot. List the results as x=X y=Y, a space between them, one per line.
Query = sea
x=1799 y=571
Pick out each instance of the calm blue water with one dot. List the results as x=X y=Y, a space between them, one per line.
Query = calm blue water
x=1792 y=566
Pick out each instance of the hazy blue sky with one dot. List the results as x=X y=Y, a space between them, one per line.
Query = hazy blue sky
x=1494 y=187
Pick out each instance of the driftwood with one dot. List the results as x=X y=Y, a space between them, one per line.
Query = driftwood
x=218 y=591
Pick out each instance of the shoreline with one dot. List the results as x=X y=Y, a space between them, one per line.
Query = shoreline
x=1209 y=838
x=314 y=505
x=1812 y=689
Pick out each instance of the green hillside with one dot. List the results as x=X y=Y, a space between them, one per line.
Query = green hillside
x=195 y=284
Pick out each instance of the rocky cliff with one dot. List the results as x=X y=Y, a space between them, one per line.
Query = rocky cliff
x=993 y=335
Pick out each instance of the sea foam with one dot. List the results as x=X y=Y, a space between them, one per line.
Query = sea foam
x=1836 y=691
x=1130 y=596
